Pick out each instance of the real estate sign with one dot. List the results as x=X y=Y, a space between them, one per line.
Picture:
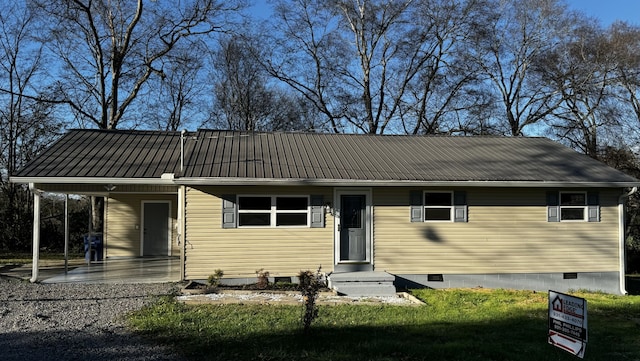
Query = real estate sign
x=568 y=322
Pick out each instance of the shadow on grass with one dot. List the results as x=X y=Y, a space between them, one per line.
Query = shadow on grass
x=515 y=335
x=519 y=339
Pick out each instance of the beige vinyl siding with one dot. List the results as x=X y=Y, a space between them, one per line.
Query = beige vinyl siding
x=507 y=232
x=239 y=252
x=123 y=223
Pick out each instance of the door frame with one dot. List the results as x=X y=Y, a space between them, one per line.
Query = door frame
x=367 y=192
x=169 y=219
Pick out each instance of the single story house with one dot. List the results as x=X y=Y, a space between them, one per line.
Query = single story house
x=436 y=211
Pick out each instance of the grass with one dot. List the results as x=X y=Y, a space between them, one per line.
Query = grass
x=452 y=325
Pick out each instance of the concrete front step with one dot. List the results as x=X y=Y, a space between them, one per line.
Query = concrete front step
x=360 y=284
x=365 y=289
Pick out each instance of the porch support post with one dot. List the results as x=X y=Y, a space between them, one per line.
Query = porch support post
x=181 y=229
x=36 y=232
x=66 y=233
x=621 y=235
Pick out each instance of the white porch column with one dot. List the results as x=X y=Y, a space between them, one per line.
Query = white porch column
x=181 y=228
x=36 y=232
x=621 y=235
x=66 y=233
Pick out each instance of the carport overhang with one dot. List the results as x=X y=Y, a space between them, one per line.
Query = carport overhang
x=87 y=186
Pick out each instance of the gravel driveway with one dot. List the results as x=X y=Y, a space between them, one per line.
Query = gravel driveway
x=74 y=321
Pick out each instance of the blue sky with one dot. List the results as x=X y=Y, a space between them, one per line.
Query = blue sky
x=609 y=11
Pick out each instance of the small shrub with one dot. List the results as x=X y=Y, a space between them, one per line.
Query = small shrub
x=263 y=279
x=214 y=279
x=310 y=285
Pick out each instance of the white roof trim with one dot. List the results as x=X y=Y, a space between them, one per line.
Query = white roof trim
x=384 y=183
x=320 y=182
x=91 y=180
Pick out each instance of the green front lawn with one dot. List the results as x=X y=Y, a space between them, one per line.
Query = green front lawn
x=452 y=325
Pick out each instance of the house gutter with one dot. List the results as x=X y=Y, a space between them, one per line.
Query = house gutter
x=93 y=180
x=621 y=229
x=394 y=183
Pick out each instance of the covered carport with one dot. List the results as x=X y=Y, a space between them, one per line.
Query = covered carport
x=97 y=266
x=143 y=208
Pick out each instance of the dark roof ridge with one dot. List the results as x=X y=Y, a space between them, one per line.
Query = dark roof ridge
x=125 y=131
x=373 y=135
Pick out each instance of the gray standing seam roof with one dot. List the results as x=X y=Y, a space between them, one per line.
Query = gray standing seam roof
x=246 y=156
x=108 y=154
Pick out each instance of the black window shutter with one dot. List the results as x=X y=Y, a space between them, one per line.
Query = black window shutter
x=415 y=201
x=317 y=211
x=553 y=207
x=593 y=207
x=229 y=218
x=460 y=206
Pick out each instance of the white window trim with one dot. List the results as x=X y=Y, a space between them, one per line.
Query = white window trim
x=425 y=207
x=585 y=211
x=273 y=212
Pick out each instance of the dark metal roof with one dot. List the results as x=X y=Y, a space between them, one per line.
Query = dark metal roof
x=218 y=156
x=108 y=154
x=390 y=158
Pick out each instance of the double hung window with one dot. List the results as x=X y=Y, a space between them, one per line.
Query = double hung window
x=438 y=206
x=273 y=211
x=573 y=206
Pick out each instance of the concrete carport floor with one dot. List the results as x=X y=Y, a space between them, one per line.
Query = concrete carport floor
x=125 y=270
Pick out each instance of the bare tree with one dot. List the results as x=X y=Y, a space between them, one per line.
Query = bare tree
x=110 y=49
x=581 y=72
x=376 y=29
x=441 y=97
x=245 y=95
x=306 y=50
x=339 y=55
x=625 y=40
x=176 y=98
x=378 y=66
x=242 y=98
x=520 y=32
x=26 y=125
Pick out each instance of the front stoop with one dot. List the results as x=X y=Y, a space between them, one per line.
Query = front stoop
x=359 y=284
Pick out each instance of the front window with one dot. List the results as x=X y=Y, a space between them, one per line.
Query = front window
x=273 y=211
x=573 y=206
x=438 y=206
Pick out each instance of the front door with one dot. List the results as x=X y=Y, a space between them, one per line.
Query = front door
x=155 y=232
x=353 y=233
x=353 y=230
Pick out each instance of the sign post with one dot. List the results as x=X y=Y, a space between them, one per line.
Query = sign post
x=568 y=322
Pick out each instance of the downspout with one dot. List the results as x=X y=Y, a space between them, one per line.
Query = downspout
x=621 y=225
x=182 y=133
x=36 y=232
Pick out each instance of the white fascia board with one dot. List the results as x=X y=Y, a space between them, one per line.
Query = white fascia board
x=91 y=180
x=399 y=183
x=319 y=182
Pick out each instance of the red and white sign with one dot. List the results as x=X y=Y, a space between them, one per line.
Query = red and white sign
x=568 y=322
